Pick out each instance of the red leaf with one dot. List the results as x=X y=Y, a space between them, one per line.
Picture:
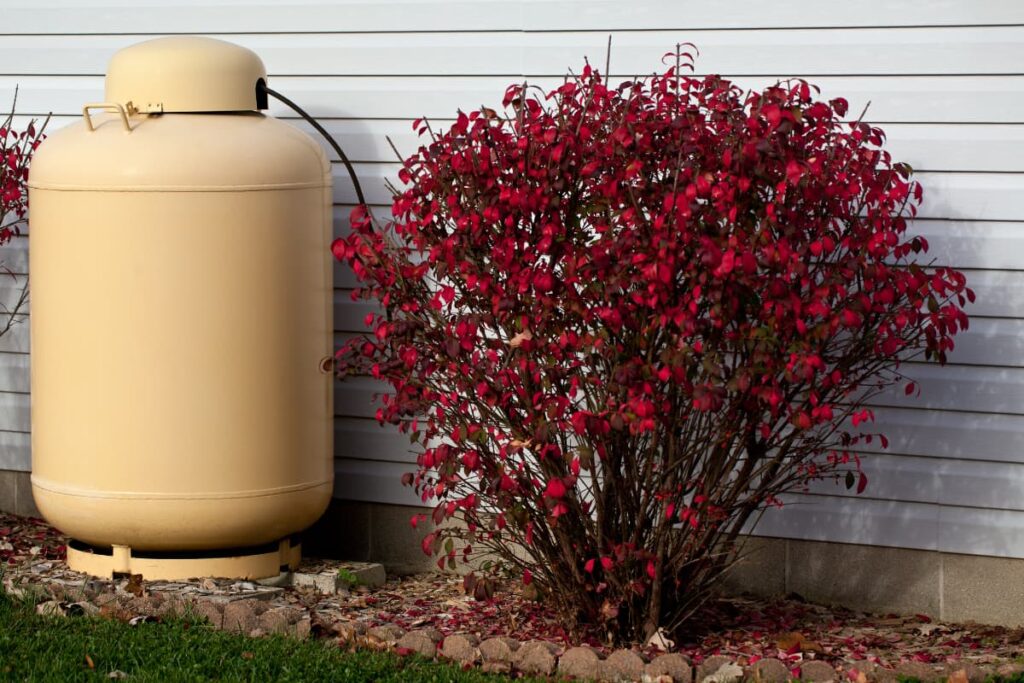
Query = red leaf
x=555 y=489
x=340 y=249
x=794 y=171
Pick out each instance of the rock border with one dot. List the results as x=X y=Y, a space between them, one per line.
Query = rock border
x=253 y=611
x=256 y=618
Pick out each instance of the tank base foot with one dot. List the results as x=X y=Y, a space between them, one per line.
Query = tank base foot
x=239 y=563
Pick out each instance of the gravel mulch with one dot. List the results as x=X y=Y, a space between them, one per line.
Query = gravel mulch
x=430 y=614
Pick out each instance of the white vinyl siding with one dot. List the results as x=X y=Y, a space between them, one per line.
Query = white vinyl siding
x=944 y=78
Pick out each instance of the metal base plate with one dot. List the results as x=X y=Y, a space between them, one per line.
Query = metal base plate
x=257 y=563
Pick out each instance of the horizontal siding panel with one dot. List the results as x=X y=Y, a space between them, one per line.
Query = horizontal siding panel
x=979 y=50
x=344 y=276
x=922 y=526
x=197 y=16
x=356 y=397
x=367 y=141
x=855 y=520
x=975 y=196
x=1000 y=293
x=13 y=260
x=952 y=147
x=977 y=484
x=917 y=431
x=317 y=54
x=11 y=287
x=990 y=341
x=15 y=451
x=908 y=99
x=981 y=532
x=986 y=245
x=785 y=52
x=14 y=376
x=976 y=389
x=373 y=481
x=349 y=316
x=924 y=99
x=364 y=439
x=893 y=477
x=16 y=410
x=601 y=15
x=16 y=340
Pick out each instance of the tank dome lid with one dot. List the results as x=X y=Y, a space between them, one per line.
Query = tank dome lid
x=186 y=74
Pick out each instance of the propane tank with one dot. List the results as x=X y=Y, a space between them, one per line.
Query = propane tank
x=181 y=326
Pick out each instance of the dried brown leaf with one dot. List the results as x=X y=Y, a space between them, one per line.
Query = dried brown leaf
x=518 y=340
x=958 y=676
x=794 y=641
x=135 y=586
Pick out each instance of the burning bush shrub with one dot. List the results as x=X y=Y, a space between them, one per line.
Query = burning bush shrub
x=620 y=322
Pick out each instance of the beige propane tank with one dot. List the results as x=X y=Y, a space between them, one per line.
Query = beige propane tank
x=181 y=321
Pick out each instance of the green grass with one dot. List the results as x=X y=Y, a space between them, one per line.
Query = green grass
x=37 y=648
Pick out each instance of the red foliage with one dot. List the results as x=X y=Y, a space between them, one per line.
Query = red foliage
x=16 y=150
x=622 y=321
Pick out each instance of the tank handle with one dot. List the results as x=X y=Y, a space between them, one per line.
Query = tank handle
x=108 y=106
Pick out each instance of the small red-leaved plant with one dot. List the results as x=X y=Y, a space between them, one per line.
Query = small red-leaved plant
x=16 y=150
x=622 y=321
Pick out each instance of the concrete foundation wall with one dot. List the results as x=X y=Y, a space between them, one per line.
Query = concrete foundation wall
x=945 y=586
x=370 y=532
x=16 y=493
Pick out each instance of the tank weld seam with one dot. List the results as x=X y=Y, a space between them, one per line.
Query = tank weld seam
x=154 y=495
x=59 y=187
